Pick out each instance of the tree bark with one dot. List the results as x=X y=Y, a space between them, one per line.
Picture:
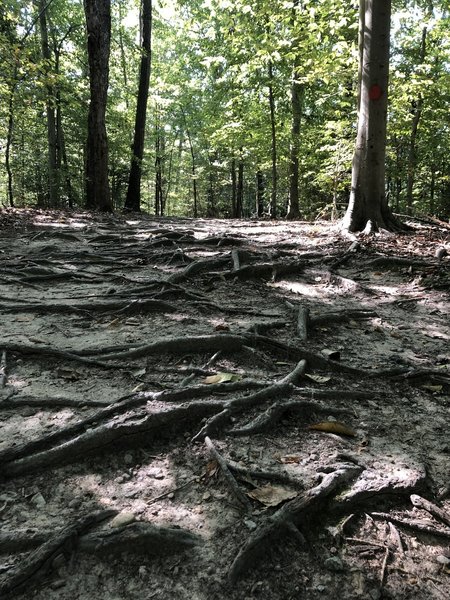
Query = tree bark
x=240 y=189
x=98 y=24
x=133 y=201
x=368 y=208
x=273 y=196
x=50 y=109
x=296 y=108
x=412 y=154
x=260 y=193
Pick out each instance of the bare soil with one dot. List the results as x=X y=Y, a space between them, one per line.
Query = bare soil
x=197 y=409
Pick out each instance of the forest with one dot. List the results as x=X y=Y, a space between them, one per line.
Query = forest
x=224 y=300
x=251 y=110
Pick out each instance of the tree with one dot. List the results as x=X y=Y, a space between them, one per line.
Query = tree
x=368 y=208
x=98 y=24
x=133 y=201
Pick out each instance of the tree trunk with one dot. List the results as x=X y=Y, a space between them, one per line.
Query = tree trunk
x=9 y=137
x=240 y=189
x=194 y=174
x=260 y=193
x=368 y=208
x=273 y=196
x=296 y=105
x=133 y=201
x=293 y=211
x=50 y=109
x=412 y=154
x=233 y=188
x=98 y=24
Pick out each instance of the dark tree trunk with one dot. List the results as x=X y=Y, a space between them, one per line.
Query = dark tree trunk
x=273 y=196
x=133 y=201
x=159 y=209
x=194 y=174
x=260 y=194
x=412 y=155
x=98 y=23
x=50 y=109
x=296 y=106
x=240 y=189
x=368 y=208
x=293 y=211
x=233 y=188
x=9 y=137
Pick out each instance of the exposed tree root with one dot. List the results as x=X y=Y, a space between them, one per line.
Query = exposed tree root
x=412 y=525
x=39 y=562
x=231 y=482
x=288 y=518
x=276 y=412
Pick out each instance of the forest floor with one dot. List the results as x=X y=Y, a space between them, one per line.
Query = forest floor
x=198 y=409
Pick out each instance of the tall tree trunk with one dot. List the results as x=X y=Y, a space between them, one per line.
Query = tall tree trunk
x=368 y=208
x=193 y=172
x=98 y=23
x=273 y=195
x=50 y=109
x=158 y=173
x=9 y=138
x=133 y=201
x=260 y=193
x=296 y=106
x=123 y=60
x=412 y=153
x=233 y=188
x=240 y=189
x=293 y=211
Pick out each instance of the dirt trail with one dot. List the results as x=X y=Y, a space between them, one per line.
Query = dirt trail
x=195 y=409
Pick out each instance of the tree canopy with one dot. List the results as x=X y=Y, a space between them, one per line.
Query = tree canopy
x=239 y=93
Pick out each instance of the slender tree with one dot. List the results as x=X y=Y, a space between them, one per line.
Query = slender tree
x=133 y=200
x=98 y=24
x=368 y=208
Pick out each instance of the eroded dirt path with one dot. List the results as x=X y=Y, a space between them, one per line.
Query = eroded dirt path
x=197 y=409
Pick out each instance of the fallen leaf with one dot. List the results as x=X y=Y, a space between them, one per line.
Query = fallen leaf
x=290 y=459
x=271 y=495
x=122 y=519
x=211 y=469
x=222 y=327
x=333 y=427
x=221 y=378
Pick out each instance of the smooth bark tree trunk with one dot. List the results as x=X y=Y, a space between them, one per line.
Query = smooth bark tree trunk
x=274 y=192
x=133 y=201
x=98 y=24
x=368 y=208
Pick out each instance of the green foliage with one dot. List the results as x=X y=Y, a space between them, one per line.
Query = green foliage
x=212 y=64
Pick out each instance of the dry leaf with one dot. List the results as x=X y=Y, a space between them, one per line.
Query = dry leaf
x=220 y=378
x=318 y=378
x=271 y=495
x=290 y=459
x=222 y=327
x=333 y=427
x=211 y=469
